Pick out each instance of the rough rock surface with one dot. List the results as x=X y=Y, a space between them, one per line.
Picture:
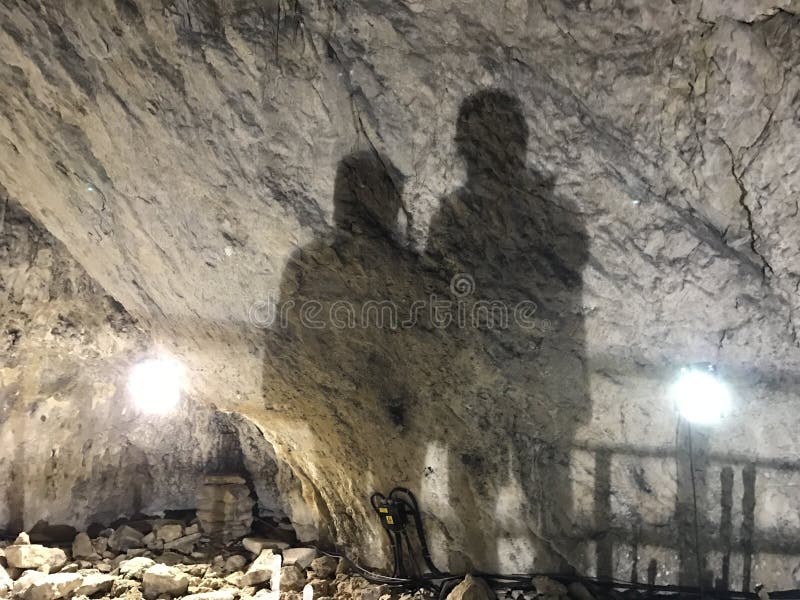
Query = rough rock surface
x=324 y=566
x=292 y=578
x=33 y=556
x=53 y=587
x=184 y=152
x=162 y=579
x=225 y=507
x=135 y=567
x=192 y=577
x=95 y=583
x=262 y=569
x=78 y=451
x=475 y=588
x=6 y=583
x=302 y=557
x=82 y=546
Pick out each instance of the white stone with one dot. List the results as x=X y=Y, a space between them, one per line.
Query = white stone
x=302 y=557
x=134 y=568
x=262 y=568
x=6 y=583
x=34 y=556
x=22 y=538
x=161 y=579
x=26 y=580
x=257 y=544
x=95 y=583
x=224 y=594
x=52 y=587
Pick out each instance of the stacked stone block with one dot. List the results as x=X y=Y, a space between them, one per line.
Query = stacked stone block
x=225 y=507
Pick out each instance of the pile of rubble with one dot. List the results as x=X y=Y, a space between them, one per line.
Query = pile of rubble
x=173 y=561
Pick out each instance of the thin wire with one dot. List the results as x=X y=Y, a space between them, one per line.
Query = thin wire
x=694 y=502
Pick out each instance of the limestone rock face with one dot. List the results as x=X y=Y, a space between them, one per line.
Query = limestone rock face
x=77 y=450
x=583 y=196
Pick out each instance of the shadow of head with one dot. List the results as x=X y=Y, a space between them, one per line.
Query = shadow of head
x=491 y=133
x=367 y=195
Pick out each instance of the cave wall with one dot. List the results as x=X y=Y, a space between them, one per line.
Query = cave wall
x=188 y=154
x=75 y=450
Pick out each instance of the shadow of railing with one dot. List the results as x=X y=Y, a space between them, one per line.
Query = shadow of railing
x=717 y=538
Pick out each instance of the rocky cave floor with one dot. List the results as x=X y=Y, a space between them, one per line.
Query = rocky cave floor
x=163 y=559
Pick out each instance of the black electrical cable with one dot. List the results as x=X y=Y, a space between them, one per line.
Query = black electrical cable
x=413 y=506
x=443 y=582
x=373 y=497
x=399 y=565
x=694 y=503
x=524 y=581
x=370 y=576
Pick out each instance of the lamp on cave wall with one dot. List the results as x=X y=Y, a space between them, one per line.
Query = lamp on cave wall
x=155 y=384
x=700 y=396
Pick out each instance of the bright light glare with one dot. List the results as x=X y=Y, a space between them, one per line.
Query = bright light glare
x=155 y=384
x=701 y=397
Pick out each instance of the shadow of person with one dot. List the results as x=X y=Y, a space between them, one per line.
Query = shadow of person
x=343 y=286
x=503 y=239
x=475 y=412
x=334 y=346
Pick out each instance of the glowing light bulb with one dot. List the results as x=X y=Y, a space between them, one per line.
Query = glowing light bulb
x=700 y=396
x=155 y=384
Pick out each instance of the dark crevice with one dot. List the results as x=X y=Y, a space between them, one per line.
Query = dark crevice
x=766 y=268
